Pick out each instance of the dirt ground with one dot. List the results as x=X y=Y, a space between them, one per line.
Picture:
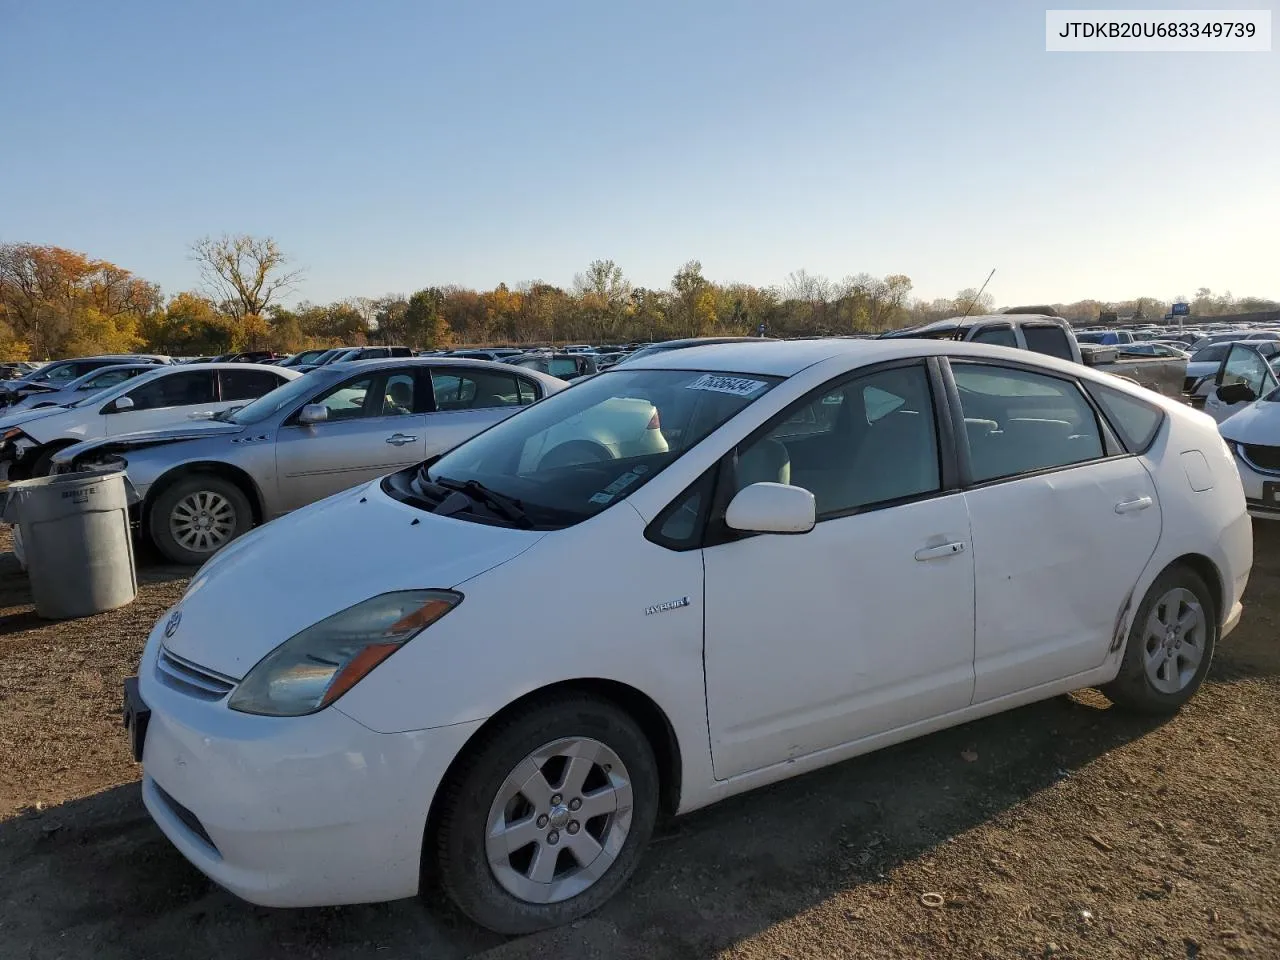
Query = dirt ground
x=1063 y=829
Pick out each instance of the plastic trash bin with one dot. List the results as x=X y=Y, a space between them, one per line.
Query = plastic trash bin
x=76 y=541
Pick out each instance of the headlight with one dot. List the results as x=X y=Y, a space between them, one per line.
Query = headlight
x=313 y=668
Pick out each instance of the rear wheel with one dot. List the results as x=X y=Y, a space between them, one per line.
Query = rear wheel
x=547 y=818
x=196 y=517
x=1170 y=645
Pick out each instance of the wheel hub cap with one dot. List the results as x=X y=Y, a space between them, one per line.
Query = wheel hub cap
x=559 y=817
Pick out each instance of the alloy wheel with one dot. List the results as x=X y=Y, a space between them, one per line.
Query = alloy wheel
x=203 y=521
x=559 y=820
x=1174 y=641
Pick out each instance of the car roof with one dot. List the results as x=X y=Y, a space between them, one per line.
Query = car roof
x=116 y=366
x=232 y=365
x=785 y=358
x=964 y=323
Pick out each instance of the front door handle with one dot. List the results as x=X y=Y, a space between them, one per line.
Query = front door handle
x=940 y=551
x=1131 y=506
x=400 y=439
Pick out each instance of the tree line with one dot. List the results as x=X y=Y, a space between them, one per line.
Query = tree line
x=56 y=303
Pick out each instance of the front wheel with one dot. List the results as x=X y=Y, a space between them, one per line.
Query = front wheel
x=198 y=516
x=548 y=816
x=1170 y=645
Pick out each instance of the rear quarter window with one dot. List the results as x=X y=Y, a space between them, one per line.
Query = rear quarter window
x=1135 y=421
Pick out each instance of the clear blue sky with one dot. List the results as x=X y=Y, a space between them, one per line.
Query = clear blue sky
x=392 y=145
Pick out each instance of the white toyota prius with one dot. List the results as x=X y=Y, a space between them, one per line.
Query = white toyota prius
x=498 y=668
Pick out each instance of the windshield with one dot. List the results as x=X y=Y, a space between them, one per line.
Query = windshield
x=329 y=355
x=269 y=403
x=54 y=373
x=572 y=455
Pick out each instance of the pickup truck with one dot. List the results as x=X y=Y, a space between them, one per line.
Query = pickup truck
x=1054 y=336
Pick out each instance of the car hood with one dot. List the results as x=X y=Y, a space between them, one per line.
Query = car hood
x=1258 y=423
x=295 y=571
x=18 y=417
x=193 y=430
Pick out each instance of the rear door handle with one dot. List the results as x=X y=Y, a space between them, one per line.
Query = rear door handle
x=1131 y=506
x=400 y=439
x=940 y=551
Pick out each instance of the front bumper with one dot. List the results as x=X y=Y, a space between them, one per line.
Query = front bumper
x=1256 y=487
x=290 y=811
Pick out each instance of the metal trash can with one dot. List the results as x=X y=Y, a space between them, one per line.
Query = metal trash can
x=76 y=541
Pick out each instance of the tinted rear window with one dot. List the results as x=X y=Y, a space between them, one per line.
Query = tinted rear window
x=1135 y=421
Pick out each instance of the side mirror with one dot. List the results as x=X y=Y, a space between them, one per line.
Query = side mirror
x=1236 y=393
x=123 y=403
x=314 y=413
x=771 y=508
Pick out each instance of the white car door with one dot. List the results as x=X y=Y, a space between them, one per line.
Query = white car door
x=470 y=399
x=862 y=625
x=1064 y=522
x=164 y=401
x=1244 y=375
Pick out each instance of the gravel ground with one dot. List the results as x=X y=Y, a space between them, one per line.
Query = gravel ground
x=1062 y=829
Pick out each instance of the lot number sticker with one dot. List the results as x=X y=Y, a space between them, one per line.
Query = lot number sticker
x=738 y=386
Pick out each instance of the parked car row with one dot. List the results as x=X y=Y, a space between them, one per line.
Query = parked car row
x=201 y=483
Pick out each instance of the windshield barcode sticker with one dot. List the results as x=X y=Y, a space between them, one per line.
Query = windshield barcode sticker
x=738 y=386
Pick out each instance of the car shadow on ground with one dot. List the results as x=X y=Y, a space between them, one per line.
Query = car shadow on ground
x=751 y=861
x=707 y=881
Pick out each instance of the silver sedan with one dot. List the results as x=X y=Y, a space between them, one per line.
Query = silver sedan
x=200 y=485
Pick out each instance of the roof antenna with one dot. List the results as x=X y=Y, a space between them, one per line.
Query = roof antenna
x=978 y=296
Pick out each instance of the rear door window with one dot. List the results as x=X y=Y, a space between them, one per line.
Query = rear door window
x=474 y=389
x=1019 y=422
x=247 y=384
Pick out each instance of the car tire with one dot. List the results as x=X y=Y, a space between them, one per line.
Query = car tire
x=177 y=515
x=1164 y=664
x=502 y=885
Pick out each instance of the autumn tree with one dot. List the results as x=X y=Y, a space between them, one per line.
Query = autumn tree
x=605 y=295
x=970 y=302
x=695 y=300
x=56 y=300
x=190 y=325
x=244 y=274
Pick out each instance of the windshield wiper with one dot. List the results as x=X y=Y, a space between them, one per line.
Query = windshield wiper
x=506 y=507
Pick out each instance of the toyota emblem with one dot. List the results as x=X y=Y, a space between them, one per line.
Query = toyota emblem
x=171 y=625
